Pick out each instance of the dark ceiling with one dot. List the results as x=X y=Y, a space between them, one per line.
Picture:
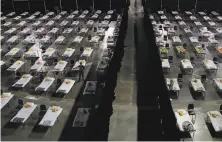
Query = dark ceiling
x=38 y=5
x=186 y=4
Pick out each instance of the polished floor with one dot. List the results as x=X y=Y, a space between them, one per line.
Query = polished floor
x=118 y=121
x=212 y=99
x=71 y=102
x=123 y=122
x=125 y=114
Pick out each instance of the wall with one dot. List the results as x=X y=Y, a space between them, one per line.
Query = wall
x=38 y=5
x=186 y=4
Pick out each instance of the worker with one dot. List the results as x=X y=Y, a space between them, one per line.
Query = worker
x=171 y=85
x=81 y=71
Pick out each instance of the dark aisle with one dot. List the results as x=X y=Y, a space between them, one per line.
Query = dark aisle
x=98 y=128
x=98 y=124
x=149 y=126
x=150 y=87
x=155 y=116
x=157 y=84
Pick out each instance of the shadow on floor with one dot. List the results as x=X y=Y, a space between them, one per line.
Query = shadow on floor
x=98 y=126
x=70 y=133
x=10 y=128
x=38 y=131
x=165 y=120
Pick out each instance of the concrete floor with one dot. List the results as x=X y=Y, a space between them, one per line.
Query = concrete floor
x=123 y=122
x=124 y=106
x=212 y=99
x=31 y=131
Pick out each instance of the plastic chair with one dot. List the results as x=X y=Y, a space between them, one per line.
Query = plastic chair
x=190 y=110
x=33 y=61
x=95 y=29
x=18 y=75
x=185 y=45
x=180 y=77
x=192 y=60
x=33 y=73
x=43 y=108
x=26 y=48
x=165 y=37
x=41 y=77
x=89 y=37
x=20 y=103
x=43 y=49
x=59 y=82
x=181 y=36
x=9 y=48
x=81 y=50
x=72 y=63
x=56 y=73
x=78 y=29
x=175 y=28
x=12 y=61
x=55 y=61
x=203 y=46
x=170 y=59
x=215 y=60
x=203 y=78
x=200 y=38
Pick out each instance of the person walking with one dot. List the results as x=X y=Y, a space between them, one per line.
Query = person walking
x=81 y=71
